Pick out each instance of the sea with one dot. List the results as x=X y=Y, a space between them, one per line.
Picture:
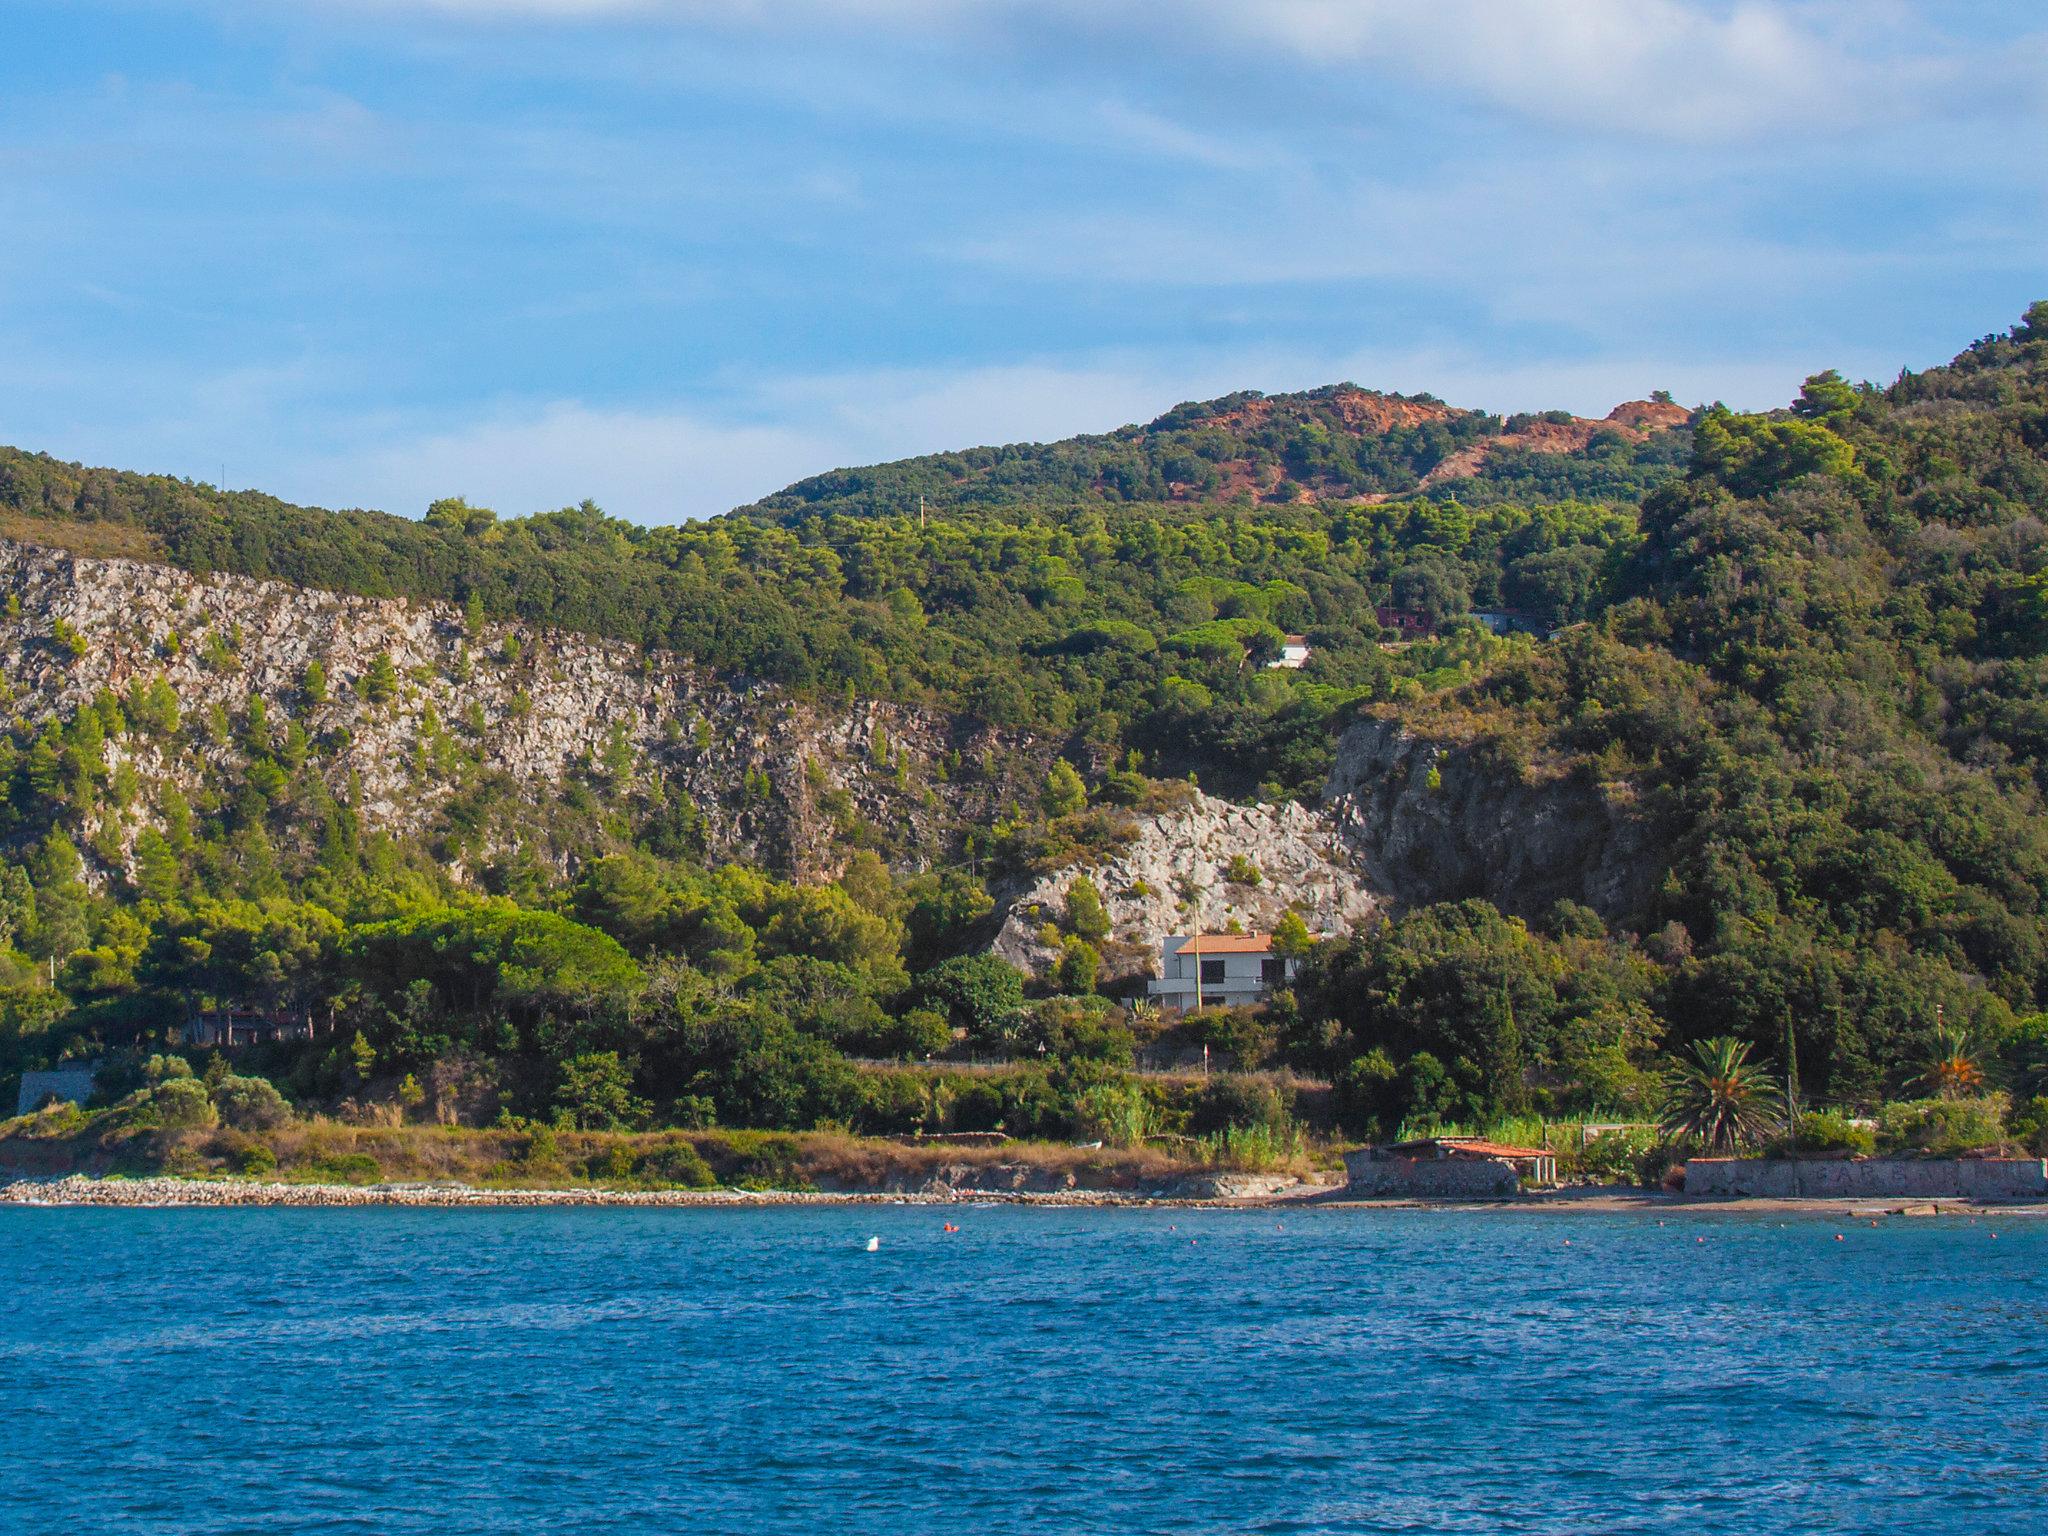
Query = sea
x=873 y=1369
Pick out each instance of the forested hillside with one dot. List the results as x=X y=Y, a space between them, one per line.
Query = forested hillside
x=1802 y=656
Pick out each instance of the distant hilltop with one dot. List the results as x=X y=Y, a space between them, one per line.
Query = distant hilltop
x=1337 y=443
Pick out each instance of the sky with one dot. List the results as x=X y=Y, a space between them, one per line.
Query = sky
x=673 y=254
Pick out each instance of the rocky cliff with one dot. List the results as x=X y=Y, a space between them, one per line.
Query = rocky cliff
x=1403 y=822
x=1427 y=822
x=777 y=778
x=787 y=781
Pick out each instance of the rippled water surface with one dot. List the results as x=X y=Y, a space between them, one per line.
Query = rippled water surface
x=401 y=1371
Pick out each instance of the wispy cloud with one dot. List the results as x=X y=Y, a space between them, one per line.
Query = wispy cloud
x=1695 y=70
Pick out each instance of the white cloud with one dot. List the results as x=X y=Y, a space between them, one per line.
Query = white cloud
x=1696 y=70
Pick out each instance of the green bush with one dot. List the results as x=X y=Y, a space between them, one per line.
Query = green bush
x=250 y=1104
x=181 y=1104
x=2029 y=1126
x=1941 y=1127
x=1251 y=1148
x=609 y=1165
x=677 y=1165
x=1227 y=1103
x=342 y=1168
x=253 y=1159
x=1832 y=1131
x=1619 y=1157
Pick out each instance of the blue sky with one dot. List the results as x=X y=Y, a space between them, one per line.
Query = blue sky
x=672 y=254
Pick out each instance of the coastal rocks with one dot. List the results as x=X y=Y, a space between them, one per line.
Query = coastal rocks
x=997 y=1183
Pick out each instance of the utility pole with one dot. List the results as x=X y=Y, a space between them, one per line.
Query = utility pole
x=1791 y=1077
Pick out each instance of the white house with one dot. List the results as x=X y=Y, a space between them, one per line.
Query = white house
x=1293 y=653
x=1219 y=969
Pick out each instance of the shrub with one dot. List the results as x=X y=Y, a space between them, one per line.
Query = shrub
x=253 y=1159
x=343 y=1168
x=677 y=1165
x=1086 y=915
x=250 y=1104
x=2029 y=1126
x=1241 y=1034
x=1237 y=1102
x=1620 y=1157
x=1832 y=1131
x=1941 y=1127
x=613 y=1163
x=181 y=1104
x=1251 y=1148
x=979 y=994
x=1242 y=871
x=1114 y=1112
x=1080 y=964
x=596 y=1093
x=57 y=1120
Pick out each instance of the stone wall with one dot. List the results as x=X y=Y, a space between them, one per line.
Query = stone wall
x=1870 y=1178
x=71 y=1084
x=1430 y=1178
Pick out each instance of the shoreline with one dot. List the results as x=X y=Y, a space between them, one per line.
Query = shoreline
x=158 y=1192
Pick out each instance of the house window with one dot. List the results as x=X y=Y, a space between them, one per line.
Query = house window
x=1272 y=970
x=1212 y=973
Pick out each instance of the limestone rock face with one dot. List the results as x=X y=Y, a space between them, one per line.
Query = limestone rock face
x=779 y=779
x=1479 y=832
x=541 y=707
x=1383 y=837
x=1174 y=878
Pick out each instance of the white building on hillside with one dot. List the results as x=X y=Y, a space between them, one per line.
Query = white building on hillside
x=1293 y=653
x=1219 y=970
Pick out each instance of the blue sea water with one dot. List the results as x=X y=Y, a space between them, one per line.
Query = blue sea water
x=585 y=1370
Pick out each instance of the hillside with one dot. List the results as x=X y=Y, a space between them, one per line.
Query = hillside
x=1341 y=443
x=667 y=825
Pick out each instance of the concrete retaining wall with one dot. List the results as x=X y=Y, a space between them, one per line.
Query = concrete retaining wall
x=1871 y=1178
x=1431 y=1178
x=72 y=1083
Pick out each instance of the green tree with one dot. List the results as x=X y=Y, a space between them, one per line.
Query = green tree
x=1064 y=793
x=596 y=1093
x=1086 y=915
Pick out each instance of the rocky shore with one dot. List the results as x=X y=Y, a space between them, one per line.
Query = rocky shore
x=77 y=1189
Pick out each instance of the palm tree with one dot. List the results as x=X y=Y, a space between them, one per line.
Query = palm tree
x=1720 y=1098
x=1951 y=1070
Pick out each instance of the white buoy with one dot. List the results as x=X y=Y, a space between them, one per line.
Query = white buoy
x=873 y=1244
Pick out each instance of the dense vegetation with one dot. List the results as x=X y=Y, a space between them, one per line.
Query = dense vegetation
x=1814 y=658
x=1031 y=593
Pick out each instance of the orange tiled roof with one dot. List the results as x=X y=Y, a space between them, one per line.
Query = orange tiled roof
x=1227 y=944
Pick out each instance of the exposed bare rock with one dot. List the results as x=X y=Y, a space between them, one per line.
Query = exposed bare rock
x=1385 y=837
x=1479 y=831
x=1173 y=878
x=539 y=706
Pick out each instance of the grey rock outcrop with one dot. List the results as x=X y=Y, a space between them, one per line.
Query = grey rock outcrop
x=536 y=707
x=1173 y=877
x=1480 y=832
